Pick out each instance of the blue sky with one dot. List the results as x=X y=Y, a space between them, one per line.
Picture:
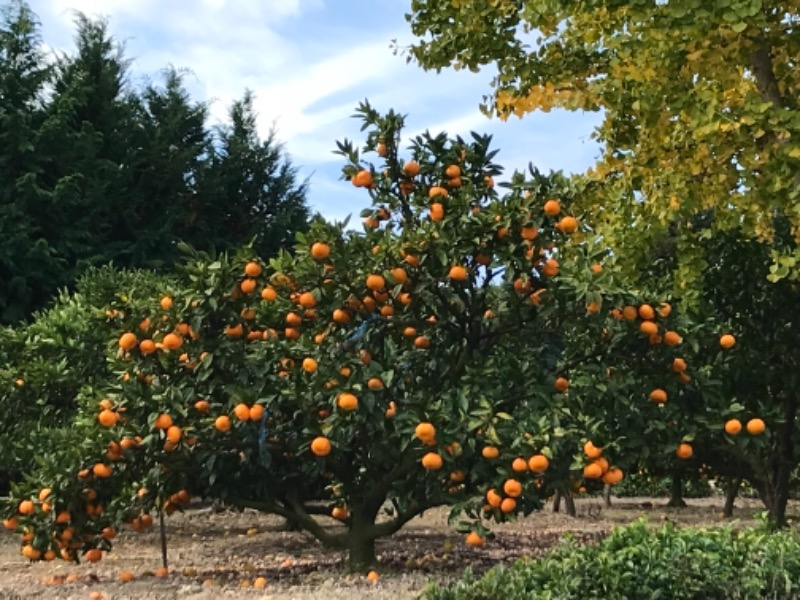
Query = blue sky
x=309 y=62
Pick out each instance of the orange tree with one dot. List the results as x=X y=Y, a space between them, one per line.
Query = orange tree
x=445 y=355
x=45 y=363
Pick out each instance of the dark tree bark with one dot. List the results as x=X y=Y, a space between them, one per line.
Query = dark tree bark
x=676 y=492
x=731 y=491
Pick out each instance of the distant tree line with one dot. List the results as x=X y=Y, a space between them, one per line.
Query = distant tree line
x=95 y=169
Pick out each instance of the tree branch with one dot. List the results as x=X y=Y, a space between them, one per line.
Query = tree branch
x=767 y=84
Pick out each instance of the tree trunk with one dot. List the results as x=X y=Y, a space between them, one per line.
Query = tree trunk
x=557 y=501
x=569 y=503
x=731 y=491
x=676 y=492
x=607 y=496
x=360 y=553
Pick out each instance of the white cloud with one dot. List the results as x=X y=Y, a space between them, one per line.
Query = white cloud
x=309 y=63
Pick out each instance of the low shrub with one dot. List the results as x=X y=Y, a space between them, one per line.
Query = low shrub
x=638 y=562
x=637 y=485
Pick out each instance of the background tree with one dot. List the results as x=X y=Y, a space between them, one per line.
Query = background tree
x=699 y=103
x=98 y=169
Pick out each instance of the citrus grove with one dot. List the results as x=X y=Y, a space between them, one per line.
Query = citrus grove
x=472 y=346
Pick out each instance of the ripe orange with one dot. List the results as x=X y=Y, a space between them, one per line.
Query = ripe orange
x=664 y=309
x=552 y=208
x=684 y=451
x=341 y=317
x=234 y=331
x=375 y=383
x=596 y=268
x=519 y=465
x=256 y=412
x=409 y=332
x=648 y=328
x=426 y=433
x=593 y=471
x=223 y=423
x=568 y=224
x=493 y=499
x=30 y=552
x=629 y=313
x=26 y=507
x=172 y=341
x=102 y=471
x=391 y=411
x=453 y=171
x=436 y=212
x=399 y=275
x=432 y=461
x=529 y=233
x=475 y=540
x=512 y=488
x=147 y=347
x=174 y=434
x=672 y=338
x=562 y=384
x=437 y=190
x=458 y=273
x=550 y=268
x=422 y=342
x=93 y=555
x=376 y=282
x=679 y=365
x=340 y=513
x=646 y=312
x=252 y=269
x=248 y=286
x=593 y=308
x=126 y=576
x=127 y=341
x=107 y=418
x=592 y=451
x=756 y=427
x=490 y=452
x=658 y=396
x=309 y=365
x=242 y=411
x=269 y=294
x=163 y=421
x=411 y=168
x=347 y=401
x=727 y=341
x=733 y=426
x=508 y=505
x=363 y=178
x=613 y=476
x=162 y=572
x=373 y=576
x=202 y=406
x=320 y=250
x=538 y=463
x=321 y=446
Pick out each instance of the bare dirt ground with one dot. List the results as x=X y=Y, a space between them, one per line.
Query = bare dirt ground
x=231 y=549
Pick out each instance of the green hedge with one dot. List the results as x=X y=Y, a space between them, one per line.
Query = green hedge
x=636 y=485
x=638 y=562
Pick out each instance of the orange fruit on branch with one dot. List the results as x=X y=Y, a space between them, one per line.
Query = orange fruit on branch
x=347 y=401
x=684 y=451
x=252 y=269
x=756 y=426
x=733 y=426
x=432 y=461
x=552 y=208
x=538 y=463
x=727 y=341
x=321 y=446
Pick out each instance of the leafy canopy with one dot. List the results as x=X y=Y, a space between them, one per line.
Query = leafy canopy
x=699 y=102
